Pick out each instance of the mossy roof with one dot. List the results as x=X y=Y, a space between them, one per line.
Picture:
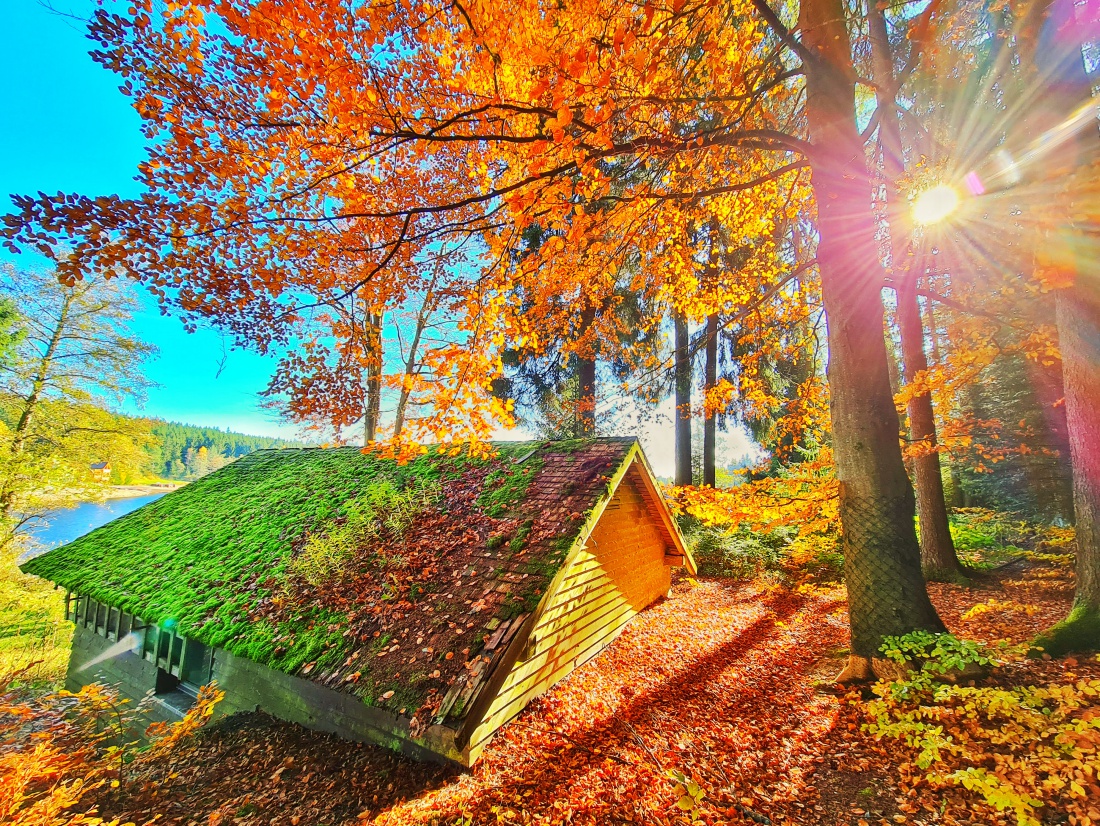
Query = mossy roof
x=407 y=618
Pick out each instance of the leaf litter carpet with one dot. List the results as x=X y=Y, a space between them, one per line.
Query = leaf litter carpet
x=722 y=681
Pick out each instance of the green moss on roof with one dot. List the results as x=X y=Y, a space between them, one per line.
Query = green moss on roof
x=212 y=557
x=196 y=555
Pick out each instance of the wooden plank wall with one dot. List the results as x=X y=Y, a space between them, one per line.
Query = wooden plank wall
x=620 y=572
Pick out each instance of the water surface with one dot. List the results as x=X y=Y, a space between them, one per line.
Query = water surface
x=66 y=524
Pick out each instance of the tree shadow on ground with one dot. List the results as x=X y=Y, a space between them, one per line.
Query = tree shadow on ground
x=732 y=711
x=715 y=682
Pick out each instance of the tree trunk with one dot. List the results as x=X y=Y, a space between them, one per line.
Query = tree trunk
x=938 y=558
x=411 y=364
x=1051 y=475
x=30 y=406
x=933 y=329
x=955 y=496
x=886 y=591
x=1060 y=60
x=710 y=422
x=1078 y=312
x=586 y=393
x=892 y=364
x=586 y=381
x=682 y=370
x=372 y=391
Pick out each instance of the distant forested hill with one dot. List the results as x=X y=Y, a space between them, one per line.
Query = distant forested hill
x=183 y=451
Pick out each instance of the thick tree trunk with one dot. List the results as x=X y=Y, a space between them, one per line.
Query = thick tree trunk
x=1079 y=335
x=682 y=375
x=886 y=591
x=710 y=423
x=1060 y=59
x=938 y=558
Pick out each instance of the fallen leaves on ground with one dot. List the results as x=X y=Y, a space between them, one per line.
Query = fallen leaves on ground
x=719 y=684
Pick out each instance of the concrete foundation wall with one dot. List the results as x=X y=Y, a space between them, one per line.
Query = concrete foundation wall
x=251 y=687
x=134 y=678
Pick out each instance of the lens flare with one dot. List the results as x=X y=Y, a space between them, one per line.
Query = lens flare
x=129 y=643
x=935 y=204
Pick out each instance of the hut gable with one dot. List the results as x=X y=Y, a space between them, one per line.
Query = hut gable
x=506 y=573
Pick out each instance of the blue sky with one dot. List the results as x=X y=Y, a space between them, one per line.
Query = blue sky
x=64 y=126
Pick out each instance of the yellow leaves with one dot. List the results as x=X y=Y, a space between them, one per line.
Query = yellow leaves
x=994 y=604
x=805 y=495
x=1026 y=739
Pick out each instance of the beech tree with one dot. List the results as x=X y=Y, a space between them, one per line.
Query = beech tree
x=300 y=148
x=938 y=558
x=1067 y=114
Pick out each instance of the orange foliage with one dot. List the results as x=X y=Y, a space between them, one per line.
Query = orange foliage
x=349 y=151
x=61 y=751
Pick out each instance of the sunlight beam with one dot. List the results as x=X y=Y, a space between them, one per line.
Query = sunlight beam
x=935 y=204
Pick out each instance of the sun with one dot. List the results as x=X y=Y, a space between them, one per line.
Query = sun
x=935 y=204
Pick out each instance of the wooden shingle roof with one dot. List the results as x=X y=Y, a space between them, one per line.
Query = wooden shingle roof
x=413 y=623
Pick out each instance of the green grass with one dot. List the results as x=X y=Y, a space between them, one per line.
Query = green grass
x=34 y=637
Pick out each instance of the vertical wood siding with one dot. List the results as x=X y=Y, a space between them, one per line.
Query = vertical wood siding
x=620 y=571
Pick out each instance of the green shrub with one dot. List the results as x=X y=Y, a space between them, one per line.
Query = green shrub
x=935 y=654
x=1027 y=750
x=986 y=539
x=738 y=552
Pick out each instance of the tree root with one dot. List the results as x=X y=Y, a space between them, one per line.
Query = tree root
x=863 y=670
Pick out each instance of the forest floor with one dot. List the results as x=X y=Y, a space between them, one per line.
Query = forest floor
x=727 y=682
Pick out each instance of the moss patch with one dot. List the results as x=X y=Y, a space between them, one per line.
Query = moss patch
x=1079 y=632
x=507 y=484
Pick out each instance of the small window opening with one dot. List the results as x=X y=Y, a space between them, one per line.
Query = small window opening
x=183 y=666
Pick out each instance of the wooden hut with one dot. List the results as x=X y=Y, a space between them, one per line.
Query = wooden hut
x=418 y=605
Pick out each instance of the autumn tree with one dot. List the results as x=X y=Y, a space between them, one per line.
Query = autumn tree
x=938 y=558
x=334 y=146
x=75 y=353
x=363 y=360
x=10 y=334
x=1067 y=114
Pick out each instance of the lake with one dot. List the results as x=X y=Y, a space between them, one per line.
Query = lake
x=67 y=524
